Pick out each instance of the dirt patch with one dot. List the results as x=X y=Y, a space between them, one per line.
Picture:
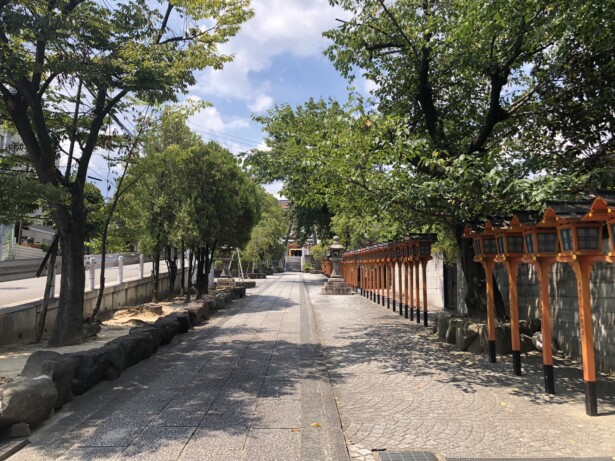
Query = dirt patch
x=117 y=323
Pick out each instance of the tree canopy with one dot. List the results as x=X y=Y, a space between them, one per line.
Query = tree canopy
x=66 y=70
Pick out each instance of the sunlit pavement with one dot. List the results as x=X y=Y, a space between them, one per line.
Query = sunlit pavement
x=289 y=374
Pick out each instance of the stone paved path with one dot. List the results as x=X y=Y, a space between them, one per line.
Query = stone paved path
x=248 y=386
x=398 y=388
x=288 y=374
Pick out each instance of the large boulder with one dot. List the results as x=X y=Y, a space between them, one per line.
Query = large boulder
x=61 y=369
x=90 y=330
x=28 y=401
x=527 y=345
x=503 y=341
x=183 y=318
x=443 y=327
x=451 y=332
x=197 y=312
x=137 y=347
x=465 y=335
x=154 y=331
x=220 y=301
x=169 y=328
x=239 y=292
x=94 y=365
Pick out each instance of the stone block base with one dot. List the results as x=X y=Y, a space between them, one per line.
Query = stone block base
x=225 y=282
x=336 y=287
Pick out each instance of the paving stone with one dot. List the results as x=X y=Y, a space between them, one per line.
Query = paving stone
x=278 y=413
x=158 y=443
x=281 y=389
x=91 y=454
x=273 y=445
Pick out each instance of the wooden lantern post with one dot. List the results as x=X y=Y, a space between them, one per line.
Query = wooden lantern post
x=581 y=246
x=485 y=251
x=540 y=247
x=425 y=242
x=399 y=258
x=510 y=254
x=407 y=249
x=389 y=271
x=413 y=303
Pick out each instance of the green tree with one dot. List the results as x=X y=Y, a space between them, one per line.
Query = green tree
x=265 y=242
x=484 y=94
x=67 y=66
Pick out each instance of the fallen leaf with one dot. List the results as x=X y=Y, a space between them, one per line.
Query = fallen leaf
x=315 y=425
x=504 y=404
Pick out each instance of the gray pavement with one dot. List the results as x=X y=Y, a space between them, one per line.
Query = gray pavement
x=18 y=292
x=289 y=374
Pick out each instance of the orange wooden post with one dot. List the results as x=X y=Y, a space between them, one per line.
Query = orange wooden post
x=424 y=265
x=543 y=269
x=390 y=285
x=411 y=290
x=417 y=263
x=582 y=269
x=513 y=301
x=488 y=266
x=400 y=268
x=406 y=287
x=383 y=280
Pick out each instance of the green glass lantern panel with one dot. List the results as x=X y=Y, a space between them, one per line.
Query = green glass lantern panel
x=515 y=244
x=547 y=242
x=565 y=236
x=490 y=246
x=529 y=244
x=589 y=238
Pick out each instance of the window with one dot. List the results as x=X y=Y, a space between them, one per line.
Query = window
x=529 y=244
x=547 y=242
x=613 y=234
x=501 y=248
x=490 y=246
x=589 y=238
x=566 y=238
x=515 y=244
x=477 y=249
x=2 y=141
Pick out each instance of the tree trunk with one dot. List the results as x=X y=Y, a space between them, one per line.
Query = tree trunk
x=51 y=273
x=156 y=273
x=474 y=275
x=208 y=263
x=182 y=277
x=199 y=272
x=171 y=260
x=190 y=272
x=101 y=280
x=68 y=326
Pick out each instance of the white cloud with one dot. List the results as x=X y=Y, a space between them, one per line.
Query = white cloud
x=261 y=103
x=210 y=118
x=278 y=27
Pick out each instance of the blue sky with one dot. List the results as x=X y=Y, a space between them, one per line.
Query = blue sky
x=277 y=59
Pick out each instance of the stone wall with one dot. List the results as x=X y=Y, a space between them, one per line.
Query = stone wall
x=565 y=307
x=18 y=323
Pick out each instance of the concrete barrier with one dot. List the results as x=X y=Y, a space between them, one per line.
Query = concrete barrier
x=18 y=323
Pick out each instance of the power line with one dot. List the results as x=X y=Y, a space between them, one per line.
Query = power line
x=228 y=135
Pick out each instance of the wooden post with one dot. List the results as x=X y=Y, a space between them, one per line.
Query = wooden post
x=417 y=291
x=400 y=267
x=543 y=268
x=383 y=280
x=406 y=276
x=390 y=286
x=513 y=300
x=424 y=265
x=488 y=265
x=411 y=291
x=582 y=269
